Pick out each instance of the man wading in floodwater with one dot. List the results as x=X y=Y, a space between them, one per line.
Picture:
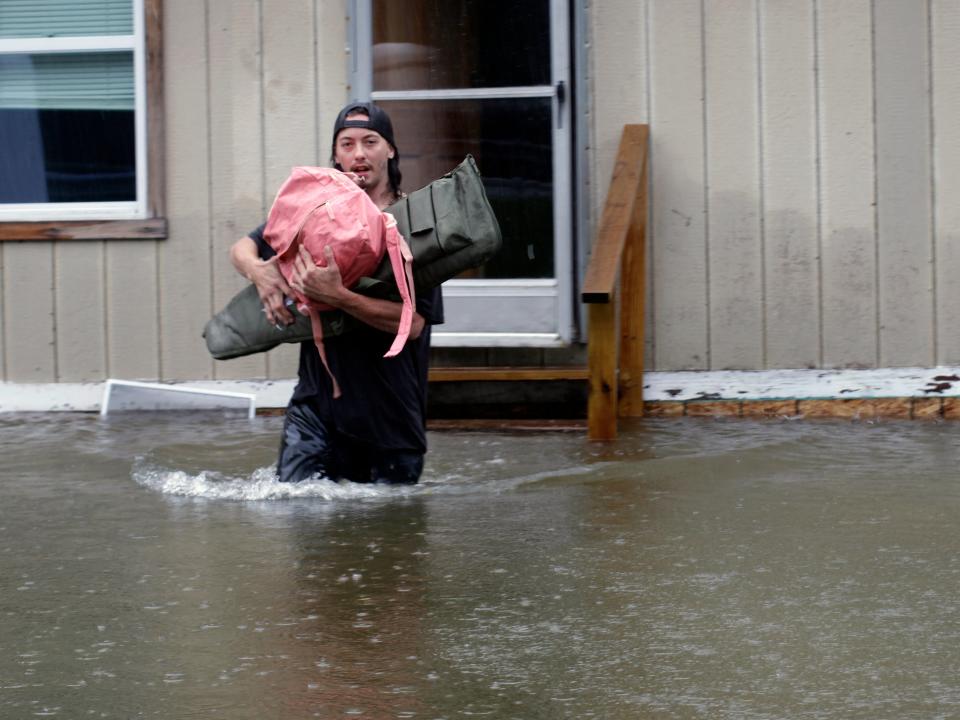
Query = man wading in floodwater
x=375 y=431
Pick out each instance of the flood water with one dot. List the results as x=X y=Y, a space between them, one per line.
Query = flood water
x=150 y=566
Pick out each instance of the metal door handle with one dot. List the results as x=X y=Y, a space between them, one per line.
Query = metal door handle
x=561 y=91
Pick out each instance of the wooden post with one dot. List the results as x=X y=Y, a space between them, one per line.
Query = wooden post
x=632 y=295
x=615 y=351
x=602 y=364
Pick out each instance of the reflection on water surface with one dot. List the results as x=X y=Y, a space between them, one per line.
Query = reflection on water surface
x=150 y=566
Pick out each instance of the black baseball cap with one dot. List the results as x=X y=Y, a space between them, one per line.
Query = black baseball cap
x=378 y=121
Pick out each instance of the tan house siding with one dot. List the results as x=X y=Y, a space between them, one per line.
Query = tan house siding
x=804 y=176
x=945 y=83
x=30 y=349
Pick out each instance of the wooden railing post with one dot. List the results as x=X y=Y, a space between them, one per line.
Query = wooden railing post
x=615 y=351
x=632 y=296
x=602 y=392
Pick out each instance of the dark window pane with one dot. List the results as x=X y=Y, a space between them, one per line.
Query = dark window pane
x=441 y=44
x=511 y=142
x=67 y=156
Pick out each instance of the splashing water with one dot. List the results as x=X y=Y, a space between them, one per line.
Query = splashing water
x=261 y=485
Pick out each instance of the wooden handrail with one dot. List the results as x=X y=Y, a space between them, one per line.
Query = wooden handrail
x=615 y=355
x=618 y=214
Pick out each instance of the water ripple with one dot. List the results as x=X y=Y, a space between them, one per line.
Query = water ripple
x=261 y=485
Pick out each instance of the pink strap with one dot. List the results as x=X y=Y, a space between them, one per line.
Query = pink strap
x=317 y=325
x=401 y=261
x=313 y=311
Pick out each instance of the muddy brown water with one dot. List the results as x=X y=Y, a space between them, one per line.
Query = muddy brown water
x=150 y=566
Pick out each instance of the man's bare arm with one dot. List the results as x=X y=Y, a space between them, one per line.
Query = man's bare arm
x=324 y=284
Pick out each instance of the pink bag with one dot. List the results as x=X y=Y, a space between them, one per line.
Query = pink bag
x=321 y=207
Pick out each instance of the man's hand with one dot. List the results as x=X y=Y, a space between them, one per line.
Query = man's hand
x=322 y=283
x=265 y=275
x=273 y=291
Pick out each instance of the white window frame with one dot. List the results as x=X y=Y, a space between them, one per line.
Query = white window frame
x=137 y=209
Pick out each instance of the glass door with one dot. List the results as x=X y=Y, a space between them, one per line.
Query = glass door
x=489 y=78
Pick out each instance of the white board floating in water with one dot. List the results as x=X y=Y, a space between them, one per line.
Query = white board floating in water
x=119 y=395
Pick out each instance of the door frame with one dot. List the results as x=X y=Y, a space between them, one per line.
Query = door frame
x=550 y=311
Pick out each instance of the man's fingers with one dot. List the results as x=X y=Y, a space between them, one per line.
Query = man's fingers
x=278 y=311
x=298 y=268
x=272 y=278
x=328 y=255
x=305 y=262
x=282 y=285
x=304 y=258
x=284 y=314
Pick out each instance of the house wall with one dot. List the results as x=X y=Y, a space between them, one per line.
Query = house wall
x=251 y=89
x=804 y=183
x=805 y=169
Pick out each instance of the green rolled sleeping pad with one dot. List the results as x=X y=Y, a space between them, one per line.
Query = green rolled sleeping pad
x=450 y=228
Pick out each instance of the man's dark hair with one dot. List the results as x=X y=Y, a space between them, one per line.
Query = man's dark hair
x=379 y=122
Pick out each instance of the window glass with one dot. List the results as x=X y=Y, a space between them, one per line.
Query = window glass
x=64 y=18
x=444 y=44
x=67 y=128
x=511 y=140
x=68 y=125
x=88 y=81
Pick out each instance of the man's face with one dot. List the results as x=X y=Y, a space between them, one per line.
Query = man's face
x=364 y=152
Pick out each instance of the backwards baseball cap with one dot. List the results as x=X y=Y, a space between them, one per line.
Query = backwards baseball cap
x=378 y=121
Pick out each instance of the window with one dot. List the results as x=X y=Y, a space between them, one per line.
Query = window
x=75 y=142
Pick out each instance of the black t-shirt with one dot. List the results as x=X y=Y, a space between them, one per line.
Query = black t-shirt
x=383 y=400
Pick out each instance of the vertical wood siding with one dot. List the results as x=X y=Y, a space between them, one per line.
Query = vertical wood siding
x=4 y=346
x=133 y=310
x=735 y=264
x=679 y=241
x=945 y=91
x=848 y=258
x=788 y=189
x=185 y=268
x=805 y=176
x=29 y=309
x=290 y=111
x=80 y=314
x=904 y=193
x=236 y=198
